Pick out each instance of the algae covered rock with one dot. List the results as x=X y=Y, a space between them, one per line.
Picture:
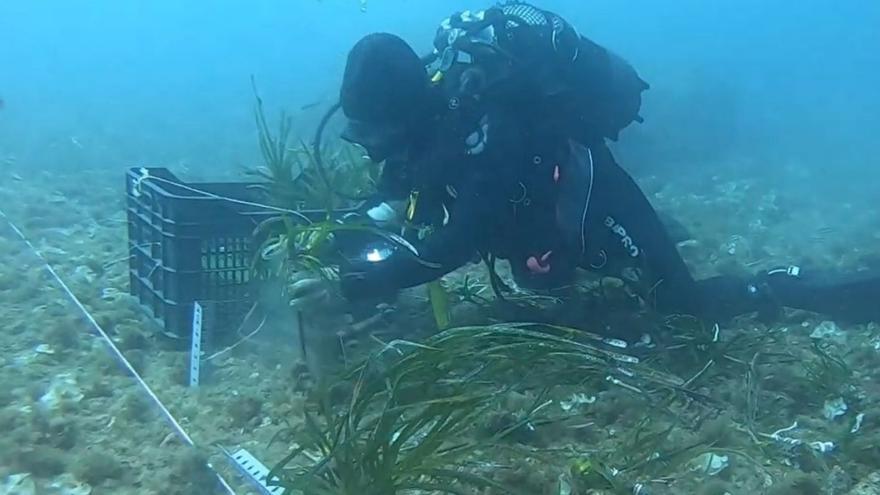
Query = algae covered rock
x=63 y=389
x=799 y=484
x=66 y=484
x=41 y=460
x=868 y=486
x=94 y=467
x=18 y=484
x=244 y=410
x=828 y=330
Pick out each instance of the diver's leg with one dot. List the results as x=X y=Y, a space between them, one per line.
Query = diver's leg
x=626 y=231
x=853 y=298
x=628 y=239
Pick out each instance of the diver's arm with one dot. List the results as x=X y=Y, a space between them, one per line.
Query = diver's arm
x=447 y=249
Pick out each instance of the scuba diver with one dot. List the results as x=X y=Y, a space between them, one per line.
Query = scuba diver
x=497 y=143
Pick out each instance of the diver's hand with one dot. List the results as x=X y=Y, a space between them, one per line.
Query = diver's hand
x=353 y=285
x=323 y=307
x=311 y=293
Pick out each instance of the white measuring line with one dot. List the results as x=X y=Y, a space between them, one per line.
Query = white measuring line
x=175 y=425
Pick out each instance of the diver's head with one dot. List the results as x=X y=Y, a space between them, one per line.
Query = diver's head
x=385 y=96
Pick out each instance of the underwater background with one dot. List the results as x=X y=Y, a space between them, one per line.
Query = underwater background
x=160 y=82
x=760 y=137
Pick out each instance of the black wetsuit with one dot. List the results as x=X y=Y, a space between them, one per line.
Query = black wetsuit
x=523 y=179
x=549 y=205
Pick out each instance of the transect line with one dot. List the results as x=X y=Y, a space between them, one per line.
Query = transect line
x=175 y=425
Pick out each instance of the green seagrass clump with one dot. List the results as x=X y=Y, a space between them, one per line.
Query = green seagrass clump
x=415 y=418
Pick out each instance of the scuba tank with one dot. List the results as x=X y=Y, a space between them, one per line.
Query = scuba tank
x=522 y=55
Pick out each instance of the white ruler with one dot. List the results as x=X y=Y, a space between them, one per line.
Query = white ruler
x=254 y=470
x=195 y=356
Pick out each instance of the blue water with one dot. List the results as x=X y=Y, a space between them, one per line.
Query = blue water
x=778 y=99
x=111 y=84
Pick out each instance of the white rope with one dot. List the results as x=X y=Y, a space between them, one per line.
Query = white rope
x=240 y=341
x=211 y=195
x=175 y=425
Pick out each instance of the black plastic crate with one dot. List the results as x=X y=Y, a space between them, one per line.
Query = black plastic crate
x=188 y=247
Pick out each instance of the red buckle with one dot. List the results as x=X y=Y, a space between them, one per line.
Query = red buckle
x=539 y=266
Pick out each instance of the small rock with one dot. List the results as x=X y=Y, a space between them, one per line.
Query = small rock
x=62 y=389
x=66 y=484
x=858 y=424
x=710 y=464
x=84 y=274
x=576 y=400
x=44 y=349
x=823 y=447
x=827 y=330
x=834 y=408
x=18 y=484
x=564 y=486
x=838 y=481
x=110 y=293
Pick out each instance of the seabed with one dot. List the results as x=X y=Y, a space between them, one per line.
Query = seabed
x=792 y=407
